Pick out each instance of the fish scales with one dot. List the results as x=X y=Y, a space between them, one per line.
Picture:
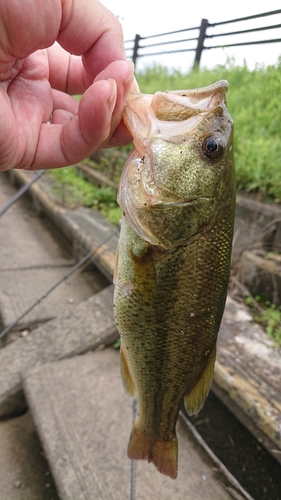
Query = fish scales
x=173 y=261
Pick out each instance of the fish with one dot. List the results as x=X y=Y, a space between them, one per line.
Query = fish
x=177 y=195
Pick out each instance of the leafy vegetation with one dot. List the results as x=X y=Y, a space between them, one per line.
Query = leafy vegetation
x=72 y=189
x=268 y=315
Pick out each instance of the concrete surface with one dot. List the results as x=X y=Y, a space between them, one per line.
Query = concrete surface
x=21 y=288
x=85 y=436
x=84 y=328
x=85 y=229
x=24 y=471
x=33 y=257
x=24 y=234
x=248 y=370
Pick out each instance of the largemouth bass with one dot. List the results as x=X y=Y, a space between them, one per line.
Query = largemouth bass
x=177 y=194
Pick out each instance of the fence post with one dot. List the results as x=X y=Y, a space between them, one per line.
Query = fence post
x=200 y=43
x=136 y=47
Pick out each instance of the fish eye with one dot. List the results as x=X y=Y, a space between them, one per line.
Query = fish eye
x=212 y=147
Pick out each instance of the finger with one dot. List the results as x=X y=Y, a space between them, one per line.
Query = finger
x=64 y=144
x=81 y=27
x=91 y=30
x=120 y=137
x=66 y=71
x=123 y=75
x=27 y=26
x=65 y=102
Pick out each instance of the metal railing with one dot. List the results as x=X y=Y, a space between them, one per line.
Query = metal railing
x=137 y=48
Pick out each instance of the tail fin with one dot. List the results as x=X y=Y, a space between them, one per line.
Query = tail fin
x=163 y=454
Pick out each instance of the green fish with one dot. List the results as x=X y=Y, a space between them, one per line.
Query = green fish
x=177 y=194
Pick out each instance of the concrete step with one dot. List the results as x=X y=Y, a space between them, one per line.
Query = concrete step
x=84 y=228
x=24 y=471
x=33 y=257
x=84 y=419
x=21 y=288
x=76 y=331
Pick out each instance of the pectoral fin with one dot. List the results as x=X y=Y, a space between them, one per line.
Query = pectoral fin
x=127 y=380
x=195 y=399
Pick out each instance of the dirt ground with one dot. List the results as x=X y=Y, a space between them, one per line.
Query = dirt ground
x=250 y=463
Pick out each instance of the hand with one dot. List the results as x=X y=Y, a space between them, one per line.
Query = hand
x=41 y=125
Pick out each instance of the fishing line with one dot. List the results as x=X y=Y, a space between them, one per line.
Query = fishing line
x=64 y=278
x=20 y=192
x=215 y=459
x=133 y=462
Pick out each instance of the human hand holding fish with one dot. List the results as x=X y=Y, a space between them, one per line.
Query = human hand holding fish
x=177 y=194
x=51 y=50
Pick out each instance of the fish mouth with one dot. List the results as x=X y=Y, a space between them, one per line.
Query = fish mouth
x=153 y=113
x=195 y=100
x=179 y=105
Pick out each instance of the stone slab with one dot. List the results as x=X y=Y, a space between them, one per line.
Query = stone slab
x=84 y=328
x=248 y=370
x=86 y=229
x=84 y=419
x=26 y=239
x=20 y=289
x=24 y=471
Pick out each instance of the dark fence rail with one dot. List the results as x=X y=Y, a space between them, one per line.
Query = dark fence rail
x=137 y=47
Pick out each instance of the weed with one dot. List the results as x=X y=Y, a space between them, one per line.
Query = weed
x=117 y=344
x=72 y=189
x=269 y=316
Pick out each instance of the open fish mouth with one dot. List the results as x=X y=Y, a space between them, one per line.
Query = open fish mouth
x=189 y=106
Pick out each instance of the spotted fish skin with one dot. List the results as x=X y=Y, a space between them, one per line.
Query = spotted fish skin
x=177 y=194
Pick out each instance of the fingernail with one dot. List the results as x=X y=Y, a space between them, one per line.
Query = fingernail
x=131 y=68
x=112 y=98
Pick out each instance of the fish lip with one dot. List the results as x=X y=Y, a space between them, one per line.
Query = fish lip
x=220 y=84
x=198 y=100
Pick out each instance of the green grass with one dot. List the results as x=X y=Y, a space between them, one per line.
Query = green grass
x=71 y=189
x=255 y=106
x=268 y=315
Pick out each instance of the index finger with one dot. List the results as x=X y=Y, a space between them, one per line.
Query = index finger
x=89 y=29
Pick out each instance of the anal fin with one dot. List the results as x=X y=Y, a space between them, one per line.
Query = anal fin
x=195 y=399
x=127 y=380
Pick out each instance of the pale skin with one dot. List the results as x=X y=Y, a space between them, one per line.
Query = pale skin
x=41 y=124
